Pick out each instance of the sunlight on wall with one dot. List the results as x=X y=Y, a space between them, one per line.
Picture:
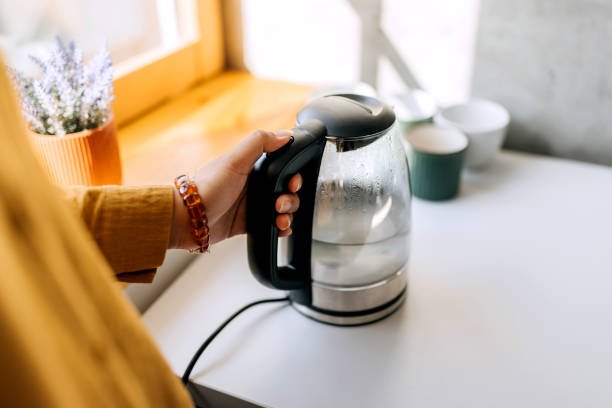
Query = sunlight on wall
x=318 y=41
x=313 y=41
x=436 y=39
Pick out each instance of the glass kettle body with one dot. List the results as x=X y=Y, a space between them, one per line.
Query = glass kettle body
x=362 y=213
x=348 y=253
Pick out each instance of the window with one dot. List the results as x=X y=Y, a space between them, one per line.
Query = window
x=129 y=27
x=159 y=47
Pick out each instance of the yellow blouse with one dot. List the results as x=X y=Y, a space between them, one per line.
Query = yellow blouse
x=68 y=337
x=131 y=225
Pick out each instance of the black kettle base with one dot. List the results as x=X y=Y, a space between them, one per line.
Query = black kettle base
x=354 y=318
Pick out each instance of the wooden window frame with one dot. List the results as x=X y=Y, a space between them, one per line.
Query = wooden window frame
x=149 y=79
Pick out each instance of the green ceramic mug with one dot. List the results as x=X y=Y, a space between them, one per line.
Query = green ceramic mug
x=435 y=157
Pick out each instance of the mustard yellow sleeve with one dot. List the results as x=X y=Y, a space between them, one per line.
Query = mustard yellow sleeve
x=130 y=224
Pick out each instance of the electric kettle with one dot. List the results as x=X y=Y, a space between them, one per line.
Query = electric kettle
x=347 y=256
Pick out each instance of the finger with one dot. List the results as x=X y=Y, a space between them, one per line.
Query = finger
x=285 y=233
x=283 y=221
x=295 y=183
x=287 y=203
x=243 y=156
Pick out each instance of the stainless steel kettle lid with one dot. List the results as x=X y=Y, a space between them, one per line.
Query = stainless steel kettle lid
x=349 y=116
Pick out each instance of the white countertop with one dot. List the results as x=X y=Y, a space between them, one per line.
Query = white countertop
x=509 y=304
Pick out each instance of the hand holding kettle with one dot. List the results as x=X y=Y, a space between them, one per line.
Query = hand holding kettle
x=222 y=186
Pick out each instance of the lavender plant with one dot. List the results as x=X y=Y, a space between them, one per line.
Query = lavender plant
x=70 y=95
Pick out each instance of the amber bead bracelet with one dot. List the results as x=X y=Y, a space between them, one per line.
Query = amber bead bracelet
x=196 y=210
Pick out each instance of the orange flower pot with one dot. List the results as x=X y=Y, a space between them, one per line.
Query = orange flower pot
x=90 y=157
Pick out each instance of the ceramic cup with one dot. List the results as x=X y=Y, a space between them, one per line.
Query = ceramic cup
x=483 y=122
x=435 y=157
x=412 y=108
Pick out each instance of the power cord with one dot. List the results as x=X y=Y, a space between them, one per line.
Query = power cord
x=214 y=334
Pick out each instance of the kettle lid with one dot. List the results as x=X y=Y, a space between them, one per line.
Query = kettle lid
x=349 y=116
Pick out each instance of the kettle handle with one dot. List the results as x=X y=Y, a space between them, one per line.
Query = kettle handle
x=269 y=178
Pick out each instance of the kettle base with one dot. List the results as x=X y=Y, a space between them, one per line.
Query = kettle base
x=352 y=319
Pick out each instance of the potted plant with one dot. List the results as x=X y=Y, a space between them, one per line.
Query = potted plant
x=68 y=110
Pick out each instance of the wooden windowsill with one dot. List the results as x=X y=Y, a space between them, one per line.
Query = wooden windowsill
x=203 y=123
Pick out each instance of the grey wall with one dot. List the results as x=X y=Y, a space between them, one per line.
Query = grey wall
x=550 y=63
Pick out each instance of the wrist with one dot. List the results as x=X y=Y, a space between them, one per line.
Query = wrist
x=196 y=223
x=180 y=231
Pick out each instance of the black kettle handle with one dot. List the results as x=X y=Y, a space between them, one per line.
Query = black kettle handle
x=268 y=180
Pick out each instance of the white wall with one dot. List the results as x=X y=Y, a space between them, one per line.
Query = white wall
x=301 y=40
x=318 y=41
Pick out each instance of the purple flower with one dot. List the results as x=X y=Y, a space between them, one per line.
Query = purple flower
x=70 y=95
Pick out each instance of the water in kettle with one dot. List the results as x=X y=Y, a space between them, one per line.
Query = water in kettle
x=353 y=264
x=362 y=214
x=361 y=243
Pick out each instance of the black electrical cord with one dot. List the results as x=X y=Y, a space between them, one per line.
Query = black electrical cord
x=214 y=334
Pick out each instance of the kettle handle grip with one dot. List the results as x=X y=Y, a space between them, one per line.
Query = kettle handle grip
x=270 y=176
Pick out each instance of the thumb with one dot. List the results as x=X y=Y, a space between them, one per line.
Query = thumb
x=243 y=156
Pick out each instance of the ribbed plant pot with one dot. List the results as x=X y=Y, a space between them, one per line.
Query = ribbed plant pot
x=90 y=157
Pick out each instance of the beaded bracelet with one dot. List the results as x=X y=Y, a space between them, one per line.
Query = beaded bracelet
x=197 y=212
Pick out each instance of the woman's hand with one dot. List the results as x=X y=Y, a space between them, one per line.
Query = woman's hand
x=222 y=186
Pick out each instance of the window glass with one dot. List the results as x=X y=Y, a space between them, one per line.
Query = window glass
x=129 y=27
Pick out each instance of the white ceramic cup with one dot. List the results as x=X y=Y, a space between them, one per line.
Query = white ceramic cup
x=484 y=123
x=412 y=108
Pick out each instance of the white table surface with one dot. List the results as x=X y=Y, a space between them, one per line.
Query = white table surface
x=509 y=305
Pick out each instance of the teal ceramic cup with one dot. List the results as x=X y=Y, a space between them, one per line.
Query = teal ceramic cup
x=435 y=157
